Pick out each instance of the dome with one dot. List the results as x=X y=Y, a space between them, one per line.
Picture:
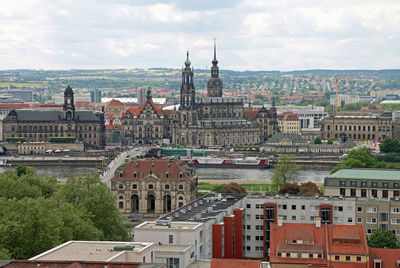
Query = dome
x=187 y=61
x=68 y=90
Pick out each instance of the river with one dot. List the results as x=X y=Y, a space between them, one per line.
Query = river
x=264 y=175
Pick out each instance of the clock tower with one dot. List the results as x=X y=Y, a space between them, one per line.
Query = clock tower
x=214 y=84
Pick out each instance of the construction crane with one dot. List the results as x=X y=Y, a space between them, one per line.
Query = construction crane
x=337 y=79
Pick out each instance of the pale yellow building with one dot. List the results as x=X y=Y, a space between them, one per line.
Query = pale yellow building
x=289 y=123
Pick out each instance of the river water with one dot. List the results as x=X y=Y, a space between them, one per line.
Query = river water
x=262 y=175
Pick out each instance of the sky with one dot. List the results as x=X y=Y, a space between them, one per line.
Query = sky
x=251 y=34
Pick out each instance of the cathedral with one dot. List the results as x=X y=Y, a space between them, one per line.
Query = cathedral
x=214 y=120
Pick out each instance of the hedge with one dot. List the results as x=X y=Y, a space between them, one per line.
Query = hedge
x=62 y=139
x=16 y=139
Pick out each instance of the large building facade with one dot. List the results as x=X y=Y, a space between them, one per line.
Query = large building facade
x=357 y=127
x=41 y=125
x=214 y=120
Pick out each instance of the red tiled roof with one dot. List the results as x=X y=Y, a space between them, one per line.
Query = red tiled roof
x=115 y=103
x=158 y=110
x=133 y=110
x=327 y=239
x=250 y=113
x=337 y=234
x=235 y=263
x=389 y=256
x=111 y=126
x=290 y=116
x=156 y=167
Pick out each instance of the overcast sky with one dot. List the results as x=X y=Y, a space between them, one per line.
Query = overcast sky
x=251 y=34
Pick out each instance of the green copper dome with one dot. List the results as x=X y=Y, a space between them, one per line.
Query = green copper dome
x=187 y=61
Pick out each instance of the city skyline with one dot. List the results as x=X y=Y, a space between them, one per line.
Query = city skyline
x=251 y=35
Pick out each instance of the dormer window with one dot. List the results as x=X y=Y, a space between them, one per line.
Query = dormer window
x=167 y=175
x=135 y=175
x=181 y=175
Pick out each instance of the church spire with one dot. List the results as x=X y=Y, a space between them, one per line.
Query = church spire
x=214 y=68
x=215 y=62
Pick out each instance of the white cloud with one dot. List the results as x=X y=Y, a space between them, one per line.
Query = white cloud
x=252 y=34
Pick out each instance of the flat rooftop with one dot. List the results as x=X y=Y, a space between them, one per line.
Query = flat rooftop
x=170 y=226
x=366 y=174
x=204 y=208
x=89 y=250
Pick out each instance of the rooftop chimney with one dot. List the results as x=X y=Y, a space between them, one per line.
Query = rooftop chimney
x=318 y=222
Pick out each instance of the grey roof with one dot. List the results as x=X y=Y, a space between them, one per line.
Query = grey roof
x=51 y=115
x=4 y=262
x=294 y=137
x=204 y=208
x=347 y=144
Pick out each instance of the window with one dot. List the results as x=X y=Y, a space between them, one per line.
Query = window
x=358 y=258
x=337 y=219
x=166 y=186
x=342 y=191
x=248 y=248
x=383 y=216
x=293 y=207
x=293 y=218
x=282 y=207
x=151 y=186
x=359 y=220
x=369 y=231
x=248 y=227
x=363 y=193
x=359 y=209
x=302 y=218
x=350 y=209
x=395 y=210
x=338 y=208
x=395 y=221
x=385 y=185
x=347 y=258
x=134 y=186
x=314 y=208
x=248 y=206
x=371 y=209
x=121 y=204
x=121 y=186
x=170 y=239
x=371 y=220
x=248 y=237
x=385 y=194
x=303 y=207
x=180 y=186
x=349 y=219
x=337 y=257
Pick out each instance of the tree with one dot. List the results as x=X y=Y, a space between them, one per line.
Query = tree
x=317 y=140
x=390 y=145
x=329 y=141
x=285 y=170
x=360 y=158
x=309 y=188
x=36 y=214
x=96 y=198
x=233 y=188
x=290 y=188
x=381 y=238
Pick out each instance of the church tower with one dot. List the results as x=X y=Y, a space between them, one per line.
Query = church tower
x=69 y=107
x=188 y=94
x=214 y=84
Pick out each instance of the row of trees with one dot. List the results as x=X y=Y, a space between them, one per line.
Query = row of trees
x=37 y=214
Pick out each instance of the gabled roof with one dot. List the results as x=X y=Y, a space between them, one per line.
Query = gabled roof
x=158 y=110
x=355 y=234
x=133 y=110
x=155 y=167
x=290 y=116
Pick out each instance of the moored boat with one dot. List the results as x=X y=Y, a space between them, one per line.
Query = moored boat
x=247 y=162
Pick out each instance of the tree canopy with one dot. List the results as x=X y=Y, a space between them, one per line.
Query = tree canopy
x=233 y=188
x=390 y=145
x=285 y=170
x=360 y=158
x=317 y=140
x=381 y=238
x=37 y=214
x=307 y=188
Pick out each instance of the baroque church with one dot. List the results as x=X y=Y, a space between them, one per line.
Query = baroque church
x=214 y=120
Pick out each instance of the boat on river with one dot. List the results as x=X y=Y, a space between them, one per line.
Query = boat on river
x=247 y=162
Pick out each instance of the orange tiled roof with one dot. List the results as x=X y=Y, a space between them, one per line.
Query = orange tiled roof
x=156 y=167
x=115 y=103
x=389 y=256
x=290 y=116
x=235 y=263
x=133 y=110
x=158 y=110
x=337 y=234
x=250 y=113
